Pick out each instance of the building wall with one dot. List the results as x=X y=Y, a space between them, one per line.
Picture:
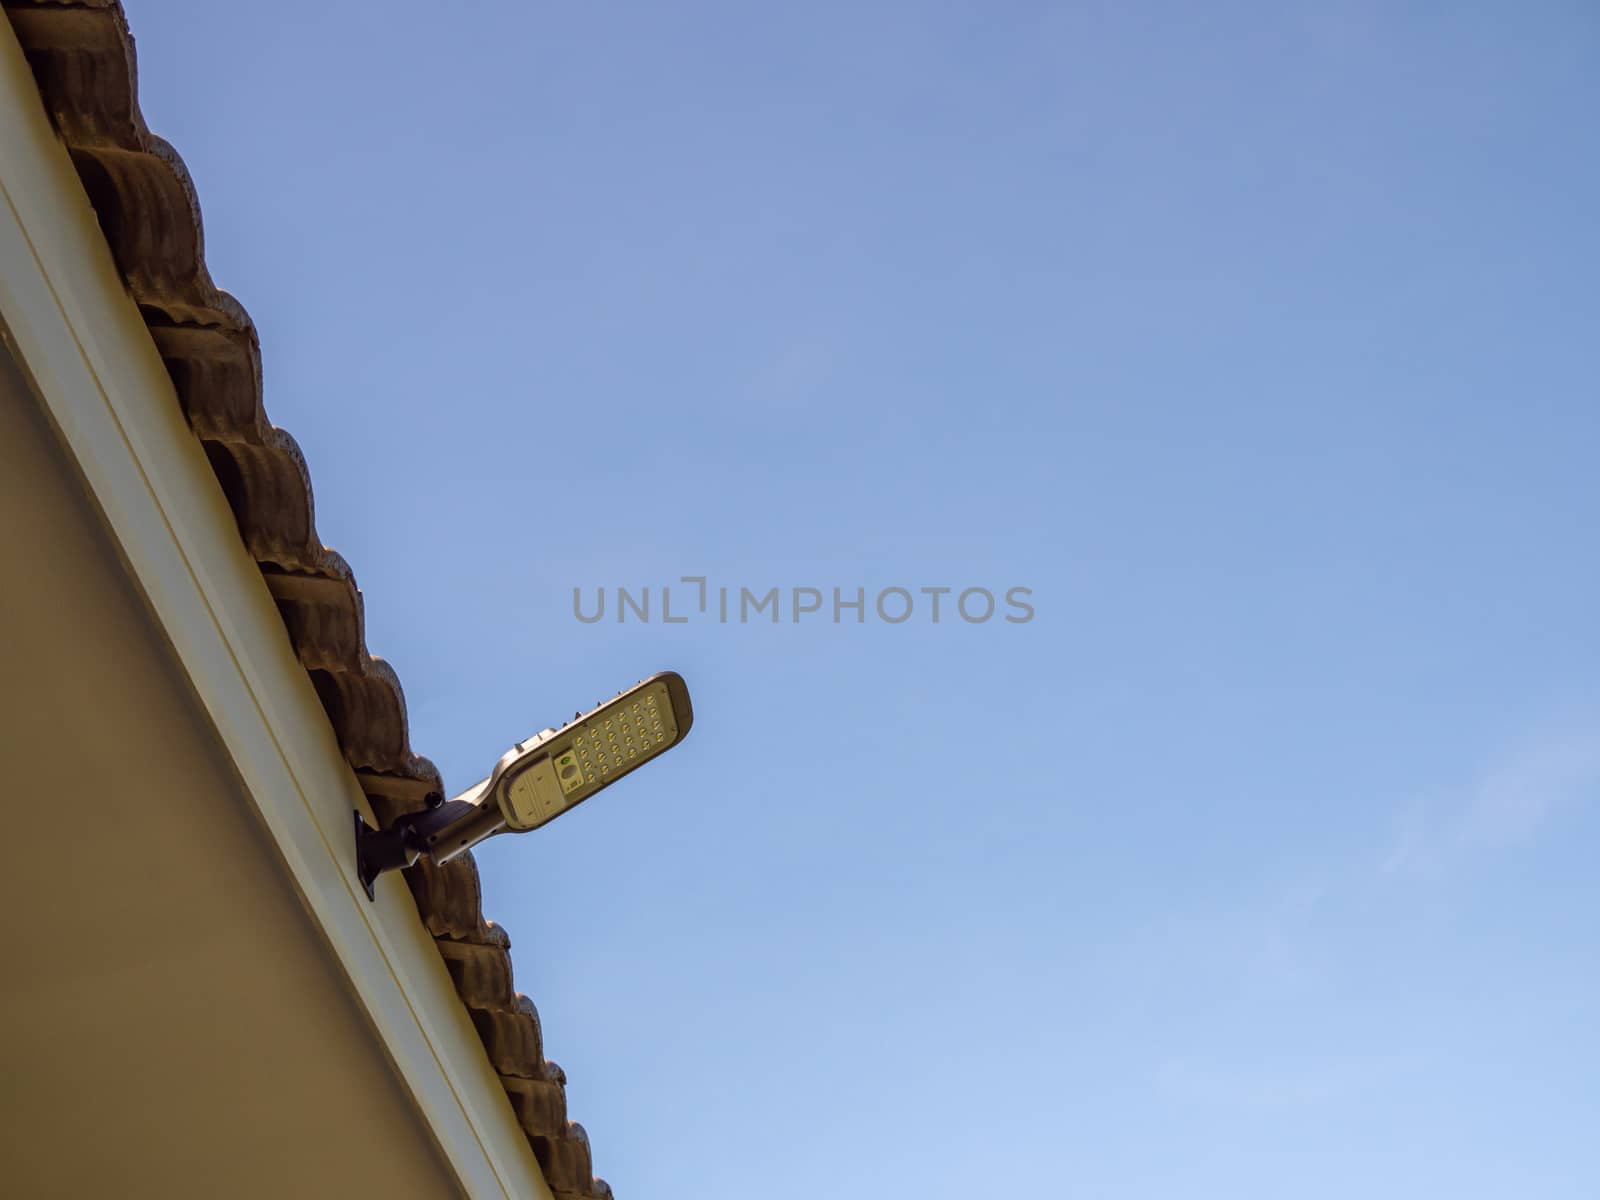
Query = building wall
x=171 y=1023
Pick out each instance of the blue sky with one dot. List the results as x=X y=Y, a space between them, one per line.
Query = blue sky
x=1257 y=340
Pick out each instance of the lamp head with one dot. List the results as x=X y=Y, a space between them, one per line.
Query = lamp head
x=558 y=769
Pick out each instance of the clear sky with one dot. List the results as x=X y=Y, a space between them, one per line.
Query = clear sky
x=1259 y=341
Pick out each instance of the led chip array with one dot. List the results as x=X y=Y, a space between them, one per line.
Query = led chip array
x=560 y=768
x=617 y=738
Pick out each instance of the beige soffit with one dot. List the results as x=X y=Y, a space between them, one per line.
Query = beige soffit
x=82 y=58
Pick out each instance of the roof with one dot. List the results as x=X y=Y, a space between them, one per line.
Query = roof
x=82 y=57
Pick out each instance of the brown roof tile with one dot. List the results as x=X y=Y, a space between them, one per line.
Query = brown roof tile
x=82 y=58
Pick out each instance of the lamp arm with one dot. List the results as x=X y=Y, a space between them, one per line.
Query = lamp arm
x=441 y=831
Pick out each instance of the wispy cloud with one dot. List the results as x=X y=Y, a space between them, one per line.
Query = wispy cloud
x=1508 y=804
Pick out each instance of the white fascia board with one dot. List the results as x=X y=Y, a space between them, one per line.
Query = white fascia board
x=103 y=385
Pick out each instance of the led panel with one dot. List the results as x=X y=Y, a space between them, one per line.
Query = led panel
x=594 y=751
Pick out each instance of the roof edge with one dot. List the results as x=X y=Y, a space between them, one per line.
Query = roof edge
x=82 y=57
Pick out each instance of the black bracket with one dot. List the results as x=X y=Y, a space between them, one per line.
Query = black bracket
x=380 y=850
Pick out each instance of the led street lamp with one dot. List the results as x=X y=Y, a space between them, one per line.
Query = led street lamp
x=537 y=780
